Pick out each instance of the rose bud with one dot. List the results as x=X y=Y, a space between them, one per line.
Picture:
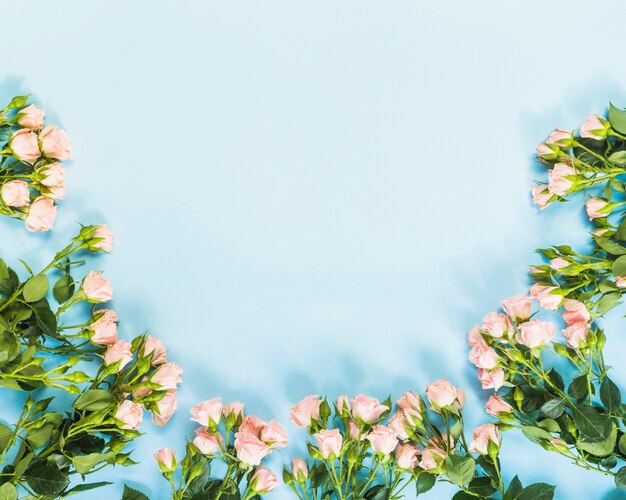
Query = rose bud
x=166 y=459
x=31 y=117
x=104 y=328
x=560 y=179
x=491 y=379
x=442 y=394
x=208 y=444
x=367 y=409
x=535 y=333
x=547 y=151
x=329 y=443
x=263 y=481
x=299 y=469
x=407 y=456
x=383 y=439
x=597 y=208
x=208 y=413
x=119 y=351
x=496 y=405
x=155 y=347
x=273 y=434
x=41 y=215
x=517 y=307
x=306 y=411
x=250 y=449
x=561 y=138
x=541 y=196
x=24 y=146
x=15 y=194
x=55 y=143
x=130 y=414
x=595 y=127
x=96 y=287
x=483 y=435
x=102 y=239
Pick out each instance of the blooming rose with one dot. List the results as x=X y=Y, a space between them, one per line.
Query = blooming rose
x=442 y=394
x=104 y=237
x=250 y=449
x=235 y=408
x=118 y=351
x=545 y=297
x=305 y=411
x=482 y=436
x=475 y=337
x=432 y=457
x=55 y=143
x=24 y=146
x=155 y=347
x=496 y=324
x=410 y=401
x=558 y=179
x=166 y=459
x=594 y=128
x=97 y=288
x=517 y=307
x=167 y=407
x=535 y=333
x=559 y=263
x=407 y=456
x=104 y=328
x=15 y=194
x=491 y=379
x=252 y=425
x=263 y=481
x=367 y=409
x=575 y=312
x=41 y=214
x=597 y=208
x=31 y=117
x=343 y=406
x=130 y=414
x=496 y=404
x=399 y=424
x=541 y=195
x=273 y=434
x=208 y=413
x=299 y=469
x=329 y=442
x=483 y=356
x=383 y=439
x=207 y=444
x=561 y=138
x=576 y=333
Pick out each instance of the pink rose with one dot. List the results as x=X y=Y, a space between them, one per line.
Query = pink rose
x=54 y=192
x=559 y=263
x=329 y=443
x=432 y=458
x=155 y=347
x=482 y=436
x=41 y=214
x=104 y=237
x=166 y=459
x=208 y=413
x=620 y=281
x=305 y=411
x=559 y=181
x=25 y=146
x=383 y=439
x=483 y=356
x=399 y=424
x=250 y=449
x=597 y=208
x=545 y=296
x=236 y=408
x=517 y=307
x=207 y=444
x=54 y=175
x=496 y=325
x=491 y=379
x=343 y=406
x=407 y=456
x=541 y=196
x=118 y=351
x=561 y=138
x=547 y=151
x=535 y=333
x=576 y=334
x=167 y=407
x=31 y=117
x=263 y=481
x=474 y=337
x=410 y=401
x=443 y=394
x=15 y=194
x=55 y=143
x=299 y=469
x=594 y=128
x=273 y=434
x=97 y=288
x=105 y=327
x=354 y=431
x=495 y=404
x=252 y=425
x=575 y=312
x=367 y=409
x=130 y=414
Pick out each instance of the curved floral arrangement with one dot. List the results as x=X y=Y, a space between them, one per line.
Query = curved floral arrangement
x=558 y=393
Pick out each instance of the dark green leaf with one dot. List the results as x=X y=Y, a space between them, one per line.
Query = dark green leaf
x=610 y=395
x=63 y=289
x=610 y=246
x=514 y=490
x=424 y=482
x=93 y=400
x=378 y=492
x=620 y=478
x=46 y=320
x=553 y=408
x=133 y=494
x=578 y=388
x=460 y=470
x=592 y=425
x=36 y=288
x=85 y=487
x=538 y=491
x=46 y=479
x=600 y=449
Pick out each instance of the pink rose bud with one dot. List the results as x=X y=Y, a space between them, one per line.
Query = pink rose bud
x=102 y=239
x=483 y=435
x=55 y=143
x=383 y=439
x=31 y=117
x=343 y=406
x=561 y=138
x=576 y=334
x=541 y=196
x=25 y=146
x=130 y=414
x=273 y=434
x=207 y=443
x=547 y=151
x=496 y=405
x=252 y=425
x=250 y=449
x=53 y=175
x=442 y=394
x=168 y=376
x=105 y=327
x=354 y=431
x=299 y=469
x=263 y=481
x=97 y=288
x=15 y=194
x=594 y=128
x=236 y=408
x=367 y=409
x=407 y=456
x=620 y=281
x=166 y=459
x=475 y=337
x=155 y=347
x=497 y=325
x=560 y=179
x=399 y=424
x=517 y=307
x=491 y=379
x=208 y=413
x=545 y=296
x=167 y=406
x=119 y=351
x=483 y=356
x=432 y=458
x=559 y=263
x=41 y=215
x=54 y=193
x=329 y=443
x=410 y=401
x=575 y=312
x=306 y=411
x=597 y=208
x=535 y=333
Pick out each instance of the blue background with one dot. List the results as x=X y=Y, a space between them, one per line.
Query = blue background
x=314 y=197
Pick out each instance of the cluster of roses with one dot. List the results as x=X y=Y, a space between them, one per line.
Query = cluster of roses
x=240 y=441
x=32 y=177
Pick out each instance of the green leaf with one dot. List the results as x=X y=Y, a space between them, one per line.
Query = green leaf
x=601 y=448
x=46 y=479
x=378 y=492
x=46 y=320
x=618 y=158
x=549 y=425
x=460 y=470
x=63 y=289
x=9 y=347
x=93 y=400
x=85 y=487
x=608 y=302
x=4 y=270
x=5 y=437
x=482 y=487
x=553 y=408
x=617 y=119
x=619 y=266
x=8 y=492
x=610 y=395
x=84 y=463
x=592 y=425
x=578 y=388
x=622 y=444
x=620 y=478
x=514 y=490
x=536 y=434
x=36 y=288
x=620 y=234
x=133 y=494
x=610 y=246
x=424 y=482
x=18 y=101
x=538 y=491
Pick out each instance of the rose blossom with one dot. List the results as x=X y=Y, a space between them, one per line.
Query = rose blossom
x=118 y=351
x=250 y=449
x=399 y=424
x=576 y=333
x=367 y=409
x=208 y=413
x=541 y=195
x=482 y=436
x=41 y=214
x=496 y=324
x=55 y=143
x=105 y=327
x=54 y=175
x=235 y=408
x=491 y=379
x=305 y=411
x=166 y=459
x=167 y=407
x=535 y=333
x=407 y=456
x=558 y=182
x=131 y=414
x=594 y=127
x=442 y=393
x=495 y=404
x=329 y=442
x=545 y=297
x=31 y=117
x=273 y=434
x=561 y=138
x=24 y=146
x=383 y=439
x=517 y=307
x=620 y=281
x=575 y=312
x=105 y=237
x=168 y=376
x=207 y=444
x=97 y=288
x=410 y=401
x=547 y=151
x=155 y=347
x=299 y=469
x=559 y=263
x=483 y=356
x=15 y=194
x=252 y=425
x=432 y=457
x=474 y=336
x=597 y=208
x=263 y=481
x=354 y=431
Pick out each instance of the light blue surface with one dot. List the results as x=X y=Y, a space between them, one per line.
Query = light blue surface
x=314 y=197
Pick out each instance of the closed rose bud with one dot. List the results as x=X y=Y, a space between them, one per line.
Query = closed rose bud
x=442 y=394
x=104 y=328
x=208 y=413
x=329 y=442
x=55 y=143
x=597 y=208
x=119 y=351
x=491 y=379
x=535 y=333
x=383 y=439
x=97 y=288
x=594 y=127
x=496 y=405
x=250 y=449
x=31 y=117
x=167 y=406
x=306 y=411
x=517 y=307
x=547 y=151
x=343 y=406
x=41 y=215
x=407 y=456
x=52 y=174
x=541 y=196
x=130 y=414
x=24 y=146
x=560 y=180
x=299 y=469
x=166 y=459
x=155 y=347
x=354 y=431
x=483 y=435
x=102 y=239
x=263 y=481
x=432 y=458
x=208 y=444
x=562 y=138
x=559 y=263
x=475 y=336
x=367 y=409
x=15 y=194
